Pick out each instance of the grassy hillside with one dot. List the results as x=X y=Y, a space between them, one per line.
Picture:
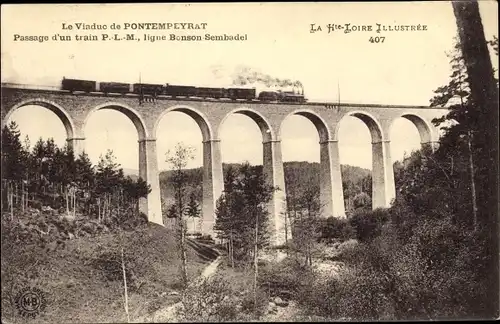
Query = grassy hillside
x=82 y=278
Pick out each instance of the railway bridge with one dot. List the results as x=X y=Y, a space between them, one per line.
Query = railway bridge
x=74 y=110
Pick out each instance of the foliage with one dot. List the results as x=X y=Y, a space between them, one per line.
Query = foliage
x=225 y=297
x=425 y=257
x=50 y=177
x=15 y=160
x=307 y=232
x=75 y=275
x=289 y=276
x=355 y=181
x=302 y=180
x=334 y=228
x=368 y=224
x=362 y=201
x=241 y=207
x=212 y=301
x=178 y=160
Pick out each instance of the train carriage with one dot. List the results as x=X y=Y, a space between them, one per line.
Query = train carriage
x=114 y=87
x=179 y=90
x=78 y=85
x=149 y=89
x=241 y=93
x=204 y=92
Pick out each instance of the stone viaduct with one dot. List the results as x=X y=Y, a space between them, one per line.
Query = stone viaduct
x=74 y=109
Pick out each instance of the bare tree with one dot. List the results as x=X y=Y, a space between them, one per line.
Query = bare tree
x=178 y=160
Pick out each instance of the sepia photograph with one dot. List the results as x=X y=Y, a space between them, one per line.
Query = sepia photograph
x=237 y=162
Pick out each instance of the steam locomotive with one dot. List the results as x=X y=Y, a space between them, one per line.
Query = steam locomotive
x=154 y=90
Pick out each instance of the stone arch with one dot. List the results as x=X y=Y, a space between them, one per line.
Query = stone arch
x=264 y=125
x=131 y=113
x=52 y=106
x=422 y=125
x=370 y=121
x=198 y=116
x=316 y=119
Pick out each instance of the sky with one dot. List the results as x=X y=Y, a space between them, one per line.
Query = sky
x=404 y=69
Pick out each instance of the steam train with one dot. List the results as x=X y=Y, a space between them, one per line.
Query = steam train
x=154 y=90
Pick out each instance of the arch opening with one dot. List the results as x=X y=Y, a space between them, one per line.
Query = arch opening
x=130 y=113
x=110 y=129
x=172 y=128
x=422 y=126
x=373 y=126
x=406 y=137
x=356 y=133
x=318 y=122
x=301 y=134
x=36 y=122
x=300 y=138
x=239 y=134
x=59 y=111
x=197 y=116
x=264 y=125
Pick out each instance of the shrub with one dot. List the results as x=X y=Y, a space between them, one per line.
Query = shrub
x=288 y=275
x=368 y=224
x=354 y=295
x=209 y=302
x=248 y=305
x=334 y=228
x=436 y=273
x=362 y=201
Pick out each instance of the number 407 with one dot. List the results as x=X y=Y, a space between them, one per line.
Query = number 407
x=377 y=39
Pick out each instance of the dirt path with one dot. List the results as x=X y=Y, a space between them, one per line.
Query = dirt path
x=167 y=315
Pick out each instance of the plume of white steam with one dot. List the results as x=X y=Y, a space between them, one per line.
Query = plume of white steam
x=250 y=77
x=245 y=75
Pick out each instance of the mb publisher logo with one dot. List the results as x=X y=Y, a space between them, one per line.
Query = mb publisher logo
x=30 y=302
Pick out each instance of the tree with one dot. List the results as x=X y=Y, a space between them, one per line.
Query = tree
x=362 y=201
x=84 y=177
x=193 y=209
x=15 y=166
x=441 y=191
x=108 y=178
x=494 y=44
x=84 y=171
x=242 y=213
x=178 y=160
x=226 y=212
x=463 y=115
x=484 y=98
x=245 y=199
x=14 y=156
x=306 y=225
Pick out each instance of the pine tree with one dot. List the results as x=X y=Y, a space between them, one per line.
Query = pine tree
x=242 y=206
x=108 y=177
x=226 y=224
x=13 y=153
x=242 y=214
x=193 y=209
